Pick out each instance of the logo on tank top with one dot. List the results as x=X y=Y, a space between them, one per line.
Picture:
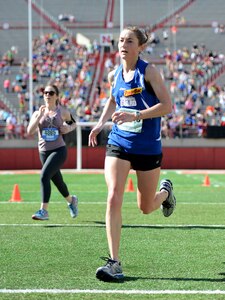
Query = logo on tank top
x=134 y=91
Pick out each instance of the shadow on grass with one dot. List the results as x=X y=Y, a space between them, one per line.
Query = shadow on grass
x=188 y=279
x=150 y=226
x=119 y=281
x=146 y=226
x=136 y=278
x=184 y=279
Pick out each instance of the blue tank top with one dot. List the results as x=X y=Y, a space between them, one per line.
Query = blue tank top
x=142 y=137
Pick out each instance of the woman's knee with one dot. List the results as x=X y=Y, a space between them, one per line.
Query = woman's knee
x=146 y=210
x=44 y=177
x=146 y=207
x=114 y=200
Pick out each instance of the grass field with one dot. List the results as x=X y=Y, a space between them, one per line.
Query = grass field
x=180 y=257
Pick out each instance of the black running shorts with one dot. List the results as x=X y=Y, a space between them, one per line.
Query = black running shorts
x=138 y=162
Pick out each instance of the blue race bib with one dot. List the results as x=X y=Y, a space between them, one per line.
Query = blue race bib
x=50 y=134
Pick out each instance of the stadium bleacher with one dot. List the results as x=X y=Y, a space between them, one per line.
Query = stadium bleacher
x=104 y=18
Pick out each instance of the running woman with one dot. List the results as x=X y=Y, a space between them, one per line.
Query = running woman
x=52 y=121
x=138 y=99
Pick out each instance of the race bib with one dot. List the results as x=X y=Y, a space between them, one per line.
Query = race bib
x=50 y=134
x=131 y=126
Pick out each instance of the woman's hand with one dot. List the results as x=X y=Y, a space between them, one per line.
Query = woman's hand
x=41 y=111
x=33 y=124
x=120 y=117
x=92 y=141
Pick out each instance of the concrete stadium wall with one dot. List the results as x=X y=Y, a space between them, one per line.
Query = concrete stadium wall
x=177 y=154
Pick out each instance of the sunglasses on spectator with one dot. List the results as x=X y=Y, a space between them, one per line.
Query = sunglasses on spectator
x=50 y=93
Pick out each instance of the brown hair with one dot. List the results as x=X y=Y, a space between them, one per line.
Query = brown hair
x=56 y=89
x=140 y=33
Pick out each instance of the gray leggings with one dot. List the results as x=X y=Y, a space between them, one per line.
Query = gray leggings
x=52 y=161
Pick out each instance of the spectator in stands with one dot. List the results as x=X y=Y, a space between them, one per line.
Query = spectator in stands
x=11 y=123
x=9 y=57
x=52 y=121
x=165 y=35
x=96 y=111
x=109 y=64
x=6 y=85
x=134 y=142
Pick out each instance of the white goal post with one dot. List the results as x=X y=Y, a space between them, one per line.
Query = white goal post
x=79 y=139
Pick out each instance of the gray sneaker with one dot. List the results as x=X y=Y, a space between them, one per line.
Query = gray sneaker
x=169 y=204
x=73 y=207
x=112 y=271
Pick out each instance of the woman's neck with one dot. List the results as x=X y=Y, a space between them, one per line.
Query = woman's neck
x=51 y=107
x=129 y=65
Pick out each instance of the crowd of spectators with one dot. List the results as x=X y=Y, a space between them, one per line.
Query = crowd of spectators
x=56 y=60
x=198 y=101
x=188 y=73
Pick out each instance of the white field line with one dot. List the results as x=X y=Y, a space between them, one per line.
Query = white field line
x=128 y=292
x=101 y=171
x=104 y=203
x=60 y=202
x=197 y=226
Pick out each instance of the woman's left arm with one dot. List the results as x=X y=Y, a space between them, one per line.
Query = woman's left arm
x=164 y=107
x=69 y=121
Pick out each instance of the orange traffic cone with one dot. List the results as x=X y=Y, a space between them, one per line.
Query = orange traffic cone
x=206 y=181
x=130 y=186
x=16 y=194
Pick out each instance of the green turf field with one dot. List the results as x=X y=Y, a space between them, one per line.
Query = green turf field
x=180 y=257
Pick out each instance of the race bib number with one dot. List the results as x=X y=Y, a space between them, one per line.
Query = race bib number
x=131 y=126
x=50 y=134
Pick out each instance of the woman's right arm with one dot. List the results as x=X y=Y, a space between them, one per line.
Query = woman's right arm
x=108 y=110
x=34 y=121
